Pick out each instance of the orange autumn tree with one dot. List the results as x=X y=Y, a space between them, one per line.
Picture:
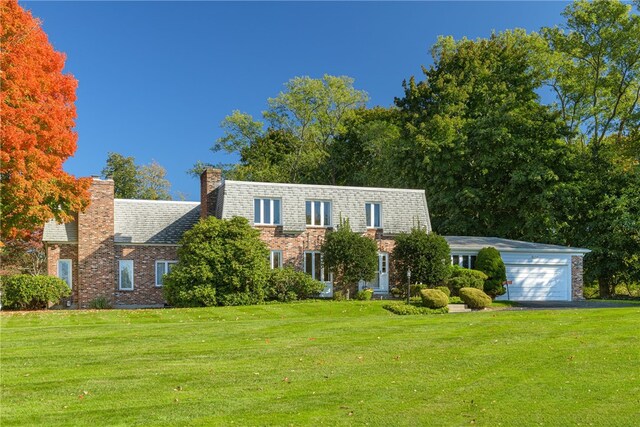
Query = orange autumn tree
x=37 y=114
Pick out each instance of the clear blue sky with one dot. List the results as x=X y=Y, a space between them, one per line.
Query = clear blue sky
x=156 y=78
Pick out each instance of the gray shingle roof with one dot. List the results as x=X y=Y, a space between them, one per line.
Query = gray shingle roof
x=137 y=221
x=402 y=209
x=152 y=221
x=54 y=232
x=475 y=243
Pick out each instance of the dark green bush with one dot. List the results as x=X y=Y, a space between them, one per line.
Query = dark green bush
x=475 y=298
x=444 y=289
x=491 y=264
x=26 y=292
x=286 y=284
x=100 y=303
x=220 y=262
x=426 y=254
x=455 y=300
x=433 y=298
x=404 y=309
x=364 y=294
x=464 y=278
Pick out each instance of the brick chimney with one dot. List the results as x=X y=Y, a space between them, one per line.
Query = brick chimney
x=96 y=252
x=210 y=181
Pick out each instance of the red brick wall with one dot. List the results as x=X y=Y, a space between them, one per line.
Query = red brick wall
x=294 y=246
x=95 y=245
x=64 y=251
x=144 y=258
x=210 y=180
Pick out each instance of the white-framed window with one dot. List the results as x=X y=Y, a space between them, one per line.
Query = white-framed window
x=275 y=259
x=465 y=261
x=314 y=267
x=266 y=211
x=318 y=213
x=162 y=268
x=65 y=272
x=373 y=213
x=125 y=274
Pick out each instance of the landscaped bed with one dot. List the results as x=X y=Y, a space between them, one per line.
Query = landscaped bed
x=315 y=363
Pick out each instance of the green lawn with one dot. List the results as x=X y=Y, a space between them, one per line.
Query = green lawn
x=320 y=363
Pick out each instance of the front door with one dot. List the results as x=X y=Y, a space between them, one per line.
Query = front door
x=383 y=272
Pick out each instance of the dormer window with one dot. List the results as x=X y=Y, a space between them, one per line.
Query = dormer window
x=318 y=213
x=266 y=212
x=373 y=213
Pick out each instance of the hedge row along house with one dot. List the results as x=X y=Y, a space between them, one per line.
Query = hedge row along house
x=120 y=249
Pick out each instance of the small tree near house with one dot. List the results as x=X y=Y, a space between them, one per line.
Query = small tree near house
x=350 y=256
x=426 y=254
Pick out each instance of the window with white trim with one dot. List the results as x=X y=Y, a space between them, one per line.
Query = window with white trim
x=266 y=211
x=314 y=267
x=275 y=259
x=465 y=261
x=318 y=213
x=125 y=274
x=64 y=271
x=162 y=268
x=373 y=213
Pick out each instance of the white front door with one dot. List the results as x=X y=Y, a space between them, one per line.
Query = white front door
x=380 y=283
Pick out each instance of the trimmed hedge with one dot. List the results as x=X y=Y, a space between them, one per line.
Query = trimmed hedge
x=286 y=284
x=26 y=292
x=475 y=298
x=490 y=262
x=444 y=289
x=433 y=298
x=465 y=278
x=404 y=309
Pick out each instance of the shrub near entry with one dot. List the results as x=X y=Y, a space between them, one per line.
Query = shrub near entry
x=433 y=298
x=475 y=298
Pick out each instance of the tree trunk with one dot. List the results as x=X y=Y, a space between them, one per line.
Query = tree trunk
x=604 y=287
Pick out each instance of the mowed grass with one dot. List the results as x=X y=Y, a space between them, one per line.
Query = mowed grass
x=320 y=363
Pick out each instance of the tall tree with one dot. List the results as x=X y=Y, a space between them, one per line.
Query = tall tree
x=306 y=117
x=153 y=184
x=38 y=115
x=489 y=154
x=124 y=173
x=136 y=182
x=593 y=68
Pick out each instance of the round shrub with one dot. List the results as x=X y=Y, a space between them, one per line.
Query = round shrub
x=490 y=263
x=26 y=292
x=444 y=289
x=364 y=295
x=220 y=262
x=465 y=278
x=433 y=298
x=286 y=284
x=475 y=298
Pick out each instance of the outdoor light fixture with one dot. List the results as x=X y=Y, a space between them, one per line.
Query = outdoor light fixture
x=408 y=285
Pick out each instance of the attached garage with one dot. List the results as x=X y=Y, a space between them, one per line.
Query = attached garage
x=535 y=271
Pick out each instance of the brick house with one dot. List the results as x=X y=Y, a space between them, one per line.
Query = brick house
x=120 y=249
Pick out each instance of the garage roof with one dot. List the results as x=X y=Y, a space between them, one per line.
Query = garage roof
x=475 y=243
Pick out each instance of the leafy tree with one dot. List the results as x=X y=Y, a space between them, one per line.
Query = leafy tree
x=490 y=263
x=24 y=255
x=306 y=117
x=136 y=182
x=124 y=173
x=220 y=262
x=593 y=67
x=490 y=156
x=38 y=116
x=350 y=256
x=427 y=255
x=153 y=184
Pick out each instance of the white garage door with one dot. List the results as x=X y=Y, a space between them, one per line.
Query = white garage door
x=538 y=282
